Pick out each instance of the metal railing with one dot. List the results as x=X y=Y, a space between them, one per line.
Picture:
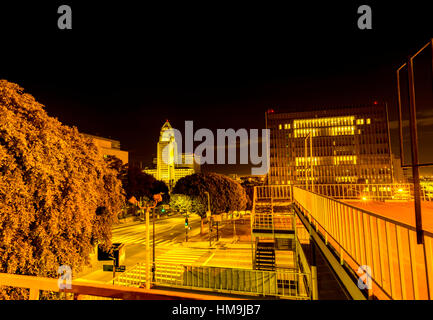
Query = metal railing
x=275 y=221
x=400 y=268
x=79 y=289
x=349 y=191
x=273 y=191
x=265 y=200
x=372 y=191
x=287 y=283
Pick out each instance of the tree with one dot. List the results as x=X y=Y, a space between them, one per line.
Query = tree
x=117 y=165
x=225 y=193
x=58 y=198
x=187 y=203
x=139 y=184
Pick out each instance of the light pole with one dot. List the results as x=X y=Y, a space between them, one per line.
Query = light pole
x=208 y=214
x=157 y=198
x=153 y=245
x=309 y=135
x=415 y=164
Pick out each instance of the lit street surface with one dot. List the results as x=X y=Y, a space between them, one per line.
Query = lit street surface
x=171 y=246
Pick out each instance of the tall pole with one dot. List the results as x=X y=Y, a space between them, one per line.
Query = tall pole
x=147 y=250
x=153 y=244
x=305 y=164
x=311 y=158
x=309 y=135
x=266 y=127
x=414 y=149
x=114 y=270
x=186 y=229
x=209 y=217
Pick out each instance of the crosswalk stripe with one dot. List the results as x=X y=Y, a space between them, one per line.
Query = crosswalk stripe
x=132 y=240
x=170 y=265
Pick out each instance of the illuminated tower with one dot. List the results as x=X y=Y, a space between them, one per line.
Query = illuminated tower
x=166 y=155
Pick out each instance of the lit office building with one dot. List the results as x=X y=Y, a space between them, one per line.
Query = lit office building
x=349 y=145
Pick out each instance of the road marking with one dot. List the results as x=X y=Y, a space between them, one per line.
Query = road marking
x=208 y=259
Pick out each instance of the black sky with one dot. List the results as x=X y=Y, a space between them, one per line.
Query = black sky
x=126 y=67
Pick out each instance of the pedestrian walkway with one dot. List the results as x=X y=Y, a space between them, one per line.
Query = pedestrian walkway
x=168 y=265
x=240 y=258
x=141 y=239
x=182 y=256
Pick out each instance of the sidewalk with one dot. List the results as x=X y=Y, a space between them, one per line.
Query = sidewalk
x=227 y=238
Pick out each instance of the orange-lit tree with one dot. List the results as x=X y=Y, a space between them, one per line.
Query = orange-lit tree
x=225 y=193
x=58 y=197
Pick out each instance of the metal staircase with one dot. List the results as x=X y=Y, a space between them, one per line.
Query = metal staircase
x=265 y=256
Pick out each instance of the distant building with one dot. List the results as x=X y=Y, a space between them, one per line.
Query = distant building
x=399 y=175
x=109 y=147
x=167 y=168
x=349 y=145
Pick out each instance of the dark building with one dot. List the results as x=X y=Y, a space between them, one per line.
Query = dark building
x=349 y=145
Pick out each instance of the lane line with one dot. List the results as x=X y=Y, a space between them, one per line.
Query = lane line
x=208 y=259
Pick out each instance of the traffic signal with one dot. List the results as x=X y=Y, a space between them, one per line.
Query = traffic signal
x=186 y=222
x=162 y=210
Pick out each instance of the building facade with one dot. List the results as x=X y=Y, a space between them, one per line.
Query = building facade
x=109 y=147
x=166 y=154
x=170 y=164
x=345 y=145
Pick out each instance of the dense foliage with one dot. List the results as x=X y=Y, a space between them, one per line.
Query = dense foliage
x=185 y=203
x=225 y=193
x=58 y=197
x=139 y=184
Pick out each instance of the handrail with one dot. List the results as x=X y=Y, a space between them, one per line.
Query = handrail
x=209 y=278
x=35 y=284
x=400 y=268
x=375 y=215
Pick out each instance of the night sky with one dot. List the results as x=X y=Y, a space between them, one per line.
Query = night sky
x=126 y=67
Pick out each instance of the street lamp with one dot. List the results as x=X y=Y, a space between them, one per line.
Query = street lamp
x=415 y=164
x=309 y=135
x=208 y=215
x=157 y=198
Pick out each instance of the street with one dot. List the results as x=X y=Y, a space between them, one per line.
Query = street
x=171 y=247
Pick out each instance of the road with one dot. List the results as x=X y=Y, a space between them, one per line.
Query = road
x=171 y=247
x=168 y=231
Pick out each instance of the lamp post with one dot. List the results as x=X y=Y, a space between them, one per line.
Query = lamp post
x=309 y=135
x=208 y=214
x=157 y=198
x=153 y=245
x=415 y=164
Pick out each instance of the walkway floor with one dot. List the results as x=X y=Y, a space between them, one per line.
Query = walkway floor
x=402 y=211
